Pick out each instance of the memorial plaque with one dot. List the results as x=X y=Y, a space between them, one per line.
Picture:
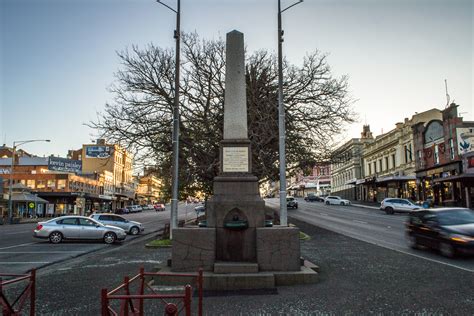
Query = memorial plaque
x=235 y=159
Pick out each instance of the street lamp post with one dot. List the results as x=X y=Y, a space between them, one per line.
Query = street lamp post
x=174 y=193
x=15 y=145
x=281 y=120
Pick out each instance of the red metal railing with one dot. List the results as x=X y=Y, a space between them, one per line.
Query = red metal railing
x=133 y=304
x=9 y=309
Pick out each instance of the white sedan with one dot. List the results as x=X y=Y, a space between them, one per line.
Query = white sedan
x=333 y=199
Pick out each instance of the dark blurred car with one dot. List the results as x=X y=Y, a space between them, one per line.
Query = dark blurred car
x=291 y=202
x=449 y=230
x=200 y=209
x=121 y=211
x=313 y=198
x=159 y=207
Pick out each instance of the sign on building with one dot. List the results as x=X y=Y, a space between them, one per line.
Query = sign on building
x=98 y=151
x=64 y=165
x=465 y=140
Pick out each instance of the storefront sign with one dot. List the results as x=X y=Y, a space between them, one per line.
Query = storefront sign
x=98 y=151
x=235 y=159
x=64 y=165
x=465 y=140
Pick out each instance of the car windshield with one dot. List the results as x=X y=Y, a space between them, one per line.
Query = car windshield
x=456 y=217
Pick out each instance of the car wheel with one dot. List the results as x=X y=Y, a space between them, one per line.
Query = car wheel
x=446 y=249
x=413 y=242
x=134 y=230
x=342 y=203
x=296 y=206
x=109 y=238
x=327 y=202
x=389 y=210
x=55 y=237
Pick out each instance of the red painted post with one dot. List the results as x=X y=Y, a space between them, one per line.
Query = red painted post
x=104 y=302
x=187 y=300
x=142 y=291
x=33 y=292
x=200 y=282
x=126 y=280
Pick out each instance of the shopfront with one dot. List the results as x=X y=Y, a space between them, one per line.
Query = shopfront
x=439 y=185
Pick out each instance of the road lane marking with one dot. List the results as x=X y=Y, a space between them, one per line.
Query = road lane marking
x=26 y=231
x=325 y=214
x=25 y=262
x=360 y=222
x=28 y=252
x=20 y=245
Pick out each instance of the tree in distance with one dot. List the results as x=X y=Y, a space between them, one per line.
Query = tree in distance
x=318 y=107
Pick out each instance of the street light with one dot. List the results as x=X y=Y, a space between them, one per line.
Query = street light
x=281 y=120
x=15 y=145
x=174 y=193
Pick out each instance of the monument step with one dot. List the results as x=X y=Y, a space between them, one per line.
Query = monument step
x=235 y=267
x=239 y=281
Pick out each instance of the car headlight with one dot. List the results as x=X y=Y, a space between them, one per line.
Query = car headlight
x=461 y=238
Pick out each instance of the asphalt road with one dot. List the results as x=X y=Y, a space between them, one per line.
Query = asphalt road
x=356 y=278
x=21 y=252
x=369 y=225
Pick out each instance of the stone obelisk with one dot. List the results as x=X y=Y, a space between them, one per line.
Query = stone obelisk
x=236 y=208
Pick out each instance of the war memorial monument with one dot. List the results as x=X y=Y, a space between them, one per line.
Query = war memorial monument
x=236 y=250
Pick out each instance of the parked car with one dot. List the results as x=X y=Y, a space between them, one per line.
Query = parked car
x=200 y=209
x=449 y=230
x=334 y=199
x=159 y=207
x=134 y=208
x=77 y=227
x=291 y=202
x=121 y=211
x=392 y=205
x=313 y=198
x=131 y=227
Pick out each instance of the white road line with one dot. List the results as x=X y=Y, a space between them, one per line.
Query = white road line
x=325 y=214
x=26 y=231
x=360 y=222
x=25 y=252
x=20 y=245
x=25 y=262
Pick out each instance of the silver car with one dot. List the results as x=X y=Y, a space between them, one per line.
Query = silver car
x=131 y=227
x=392 y=205
x=77 y=227
x=334 y=199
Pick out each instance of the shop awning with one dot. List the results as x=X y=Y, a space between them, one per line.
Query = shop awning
x=459 y=177
x=351 y=181
x=395 y=178
x=27 y=197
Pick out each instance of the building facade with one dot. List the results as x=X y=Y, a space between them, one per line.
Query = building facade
x=443 y=149
x=347 y=166
x=389 y=162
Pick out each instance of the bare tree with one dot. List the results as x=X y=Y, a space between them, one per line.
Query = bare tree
x=140 y=117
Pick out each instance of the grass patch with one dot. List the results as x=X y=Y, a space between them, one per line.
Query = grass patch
x=303 y=236
x=158 y=243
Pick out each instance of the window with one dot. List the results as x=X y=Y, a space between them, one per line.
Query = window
x=409 y=153
x=375 y=167
x=451 y=149
x=436 y=154
x=86 y=222
x=68 y=221
x=386 y=163
x=51 y=184
x=380 y=165
x=41 y=184
x=370 y=168
x=393 y=161
x=30 y=184
x=61 y=184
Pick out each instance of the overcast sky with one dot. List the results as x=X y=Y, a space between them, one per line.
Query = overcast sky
x=57 y=57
